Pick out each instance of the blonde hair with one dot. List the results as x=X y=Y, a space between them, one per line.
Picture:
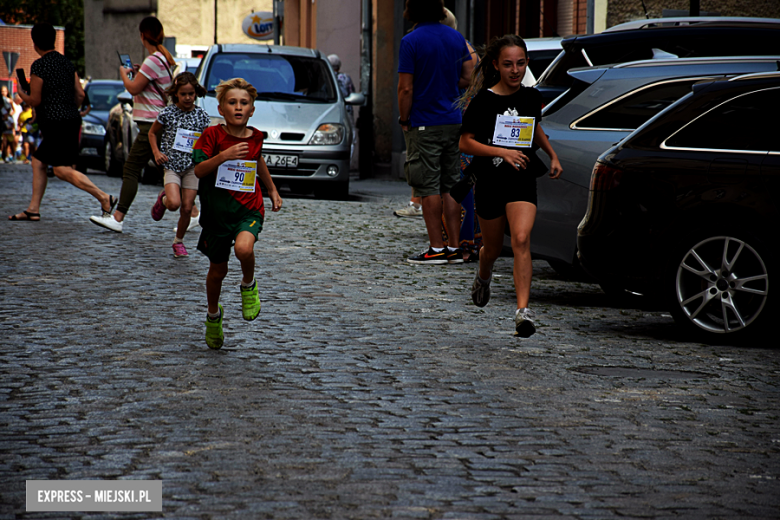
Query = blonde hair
x=237 y=83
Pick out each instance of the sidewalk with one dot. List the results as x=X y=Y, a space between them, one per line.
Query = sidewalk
x=375 y=190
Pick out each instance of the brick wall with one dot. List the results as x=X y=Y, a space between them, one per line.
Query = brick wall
x=580 y=17
x=16 y=38
x=619 y=11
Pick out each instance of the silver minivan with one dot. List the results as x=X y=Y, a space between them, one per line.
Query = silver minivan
x=299 y=107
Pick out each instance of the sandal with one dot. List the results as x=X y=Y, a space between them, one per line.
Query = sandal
x=470 y=255
x=29 y=216
x=111 y=205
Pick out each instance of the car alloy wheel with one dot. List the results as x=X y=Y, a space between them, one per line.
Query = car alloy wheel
x=722 y=285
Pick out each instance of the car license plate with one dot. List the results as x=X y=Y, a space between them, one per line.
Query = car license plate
x=280 y=161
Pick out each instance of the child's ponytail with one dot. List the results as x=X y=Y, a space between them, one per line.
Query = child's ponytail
x=152 y=30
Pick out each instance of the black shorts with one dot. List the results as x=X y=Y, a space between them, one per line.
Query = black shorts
x=494 y=191
x=215 y=242
x=60 y=144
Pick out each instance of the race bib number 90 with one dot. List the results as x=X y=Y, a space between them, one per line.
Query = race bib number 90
x=237 y=175
x=514 y=131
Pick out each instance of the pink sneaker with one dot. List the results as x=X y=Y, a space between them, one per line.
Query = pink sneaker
x=158 y=210
x=179 y=250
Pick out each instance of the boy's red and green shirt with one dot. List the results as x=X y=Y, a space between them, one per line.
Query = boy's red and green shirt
x=220 y=205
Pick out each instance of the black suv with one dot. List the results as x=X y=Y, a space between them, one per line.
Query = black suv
x=687 y=208
x=661 y=38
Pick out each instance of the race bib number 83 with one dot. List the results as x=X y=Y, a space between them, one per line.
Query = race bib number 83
x=237 y=175
x=514 y=131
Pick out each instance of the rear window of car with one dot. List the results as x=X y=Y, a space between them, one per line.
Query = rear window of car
x=540 y=60
x=103 y=97
x=747 y=122
x=276 y=77
x=631 y=111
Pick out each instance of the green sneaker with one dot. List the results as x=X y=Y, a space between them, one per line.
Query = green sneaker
x=250 y=302
x=214 y=335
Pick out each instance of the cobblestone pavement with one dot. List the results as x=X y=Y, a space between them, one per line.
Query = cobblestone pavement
x=368 y=387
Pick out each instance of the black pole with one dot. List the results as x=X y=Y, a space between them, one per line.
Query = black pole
x=215 y=22
x=695 y=8
x=365 y=122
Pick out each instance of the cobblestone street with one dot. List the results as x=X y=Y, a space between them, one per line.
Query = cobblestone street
x=367 y=388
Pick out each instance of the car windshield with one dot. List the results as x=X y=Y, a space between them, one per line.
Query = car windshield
x=103 y=97
x=276 y=77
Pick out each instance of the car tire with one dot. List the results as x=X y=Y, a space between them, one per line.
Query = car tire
x=112 y=165
x=717 y=285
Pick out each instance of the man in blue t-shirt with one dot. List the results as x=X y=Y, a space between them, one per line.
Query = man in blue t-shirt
x=434 y=62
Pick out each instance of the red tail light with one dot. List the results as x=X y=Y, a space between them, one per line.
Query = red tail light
x=605 y=177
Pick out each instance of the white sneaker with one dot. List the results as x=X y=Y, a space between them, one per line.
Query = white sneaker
x=412 y=210
x=108 y=222
x=524 y=325
x=194 y=222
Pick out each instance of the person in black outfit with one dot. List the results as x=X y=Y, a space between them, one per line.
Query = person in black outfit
x=500 y=128
x=56 y=95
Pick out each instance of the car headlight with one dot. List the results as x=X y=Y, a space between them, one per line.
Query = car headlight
x=328 y=134
x=92 y=128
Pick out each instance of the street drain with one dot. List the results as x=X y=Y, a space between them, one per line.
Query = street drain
x=642 y=373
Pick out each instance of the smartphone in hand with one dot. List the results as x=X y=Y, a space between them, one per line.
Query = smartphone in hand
x=23 y=83
x=124 y=60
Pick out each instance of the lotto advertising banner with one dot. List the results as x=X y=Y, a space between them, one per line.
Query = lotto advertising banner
x=259 y=25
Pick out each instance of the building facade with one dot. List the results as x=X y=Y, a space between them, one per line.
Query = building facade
x=190 y=27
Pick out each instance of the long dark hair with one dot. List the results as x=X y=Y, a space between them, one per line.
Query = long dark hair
x=152 y=30
x=485 y=74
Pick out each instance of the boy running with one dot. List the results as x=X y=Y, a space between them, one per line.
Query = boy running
x=228 y=161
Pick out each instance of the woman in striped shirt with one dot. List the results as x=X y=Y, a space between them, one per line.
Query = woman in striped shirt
x=148 y=85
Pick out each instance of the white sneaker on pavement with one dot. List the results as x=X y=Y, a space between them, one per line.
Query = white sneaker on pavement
x=108 y=222
x=524 y=325
x=412 y=210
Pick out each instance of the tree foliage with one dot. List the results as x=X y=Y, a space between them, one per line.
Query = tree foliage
x=64 y=13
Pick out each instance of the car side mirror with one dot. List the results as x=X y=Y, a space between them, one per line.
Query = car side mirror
x=125 y=97
x=356 y=98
